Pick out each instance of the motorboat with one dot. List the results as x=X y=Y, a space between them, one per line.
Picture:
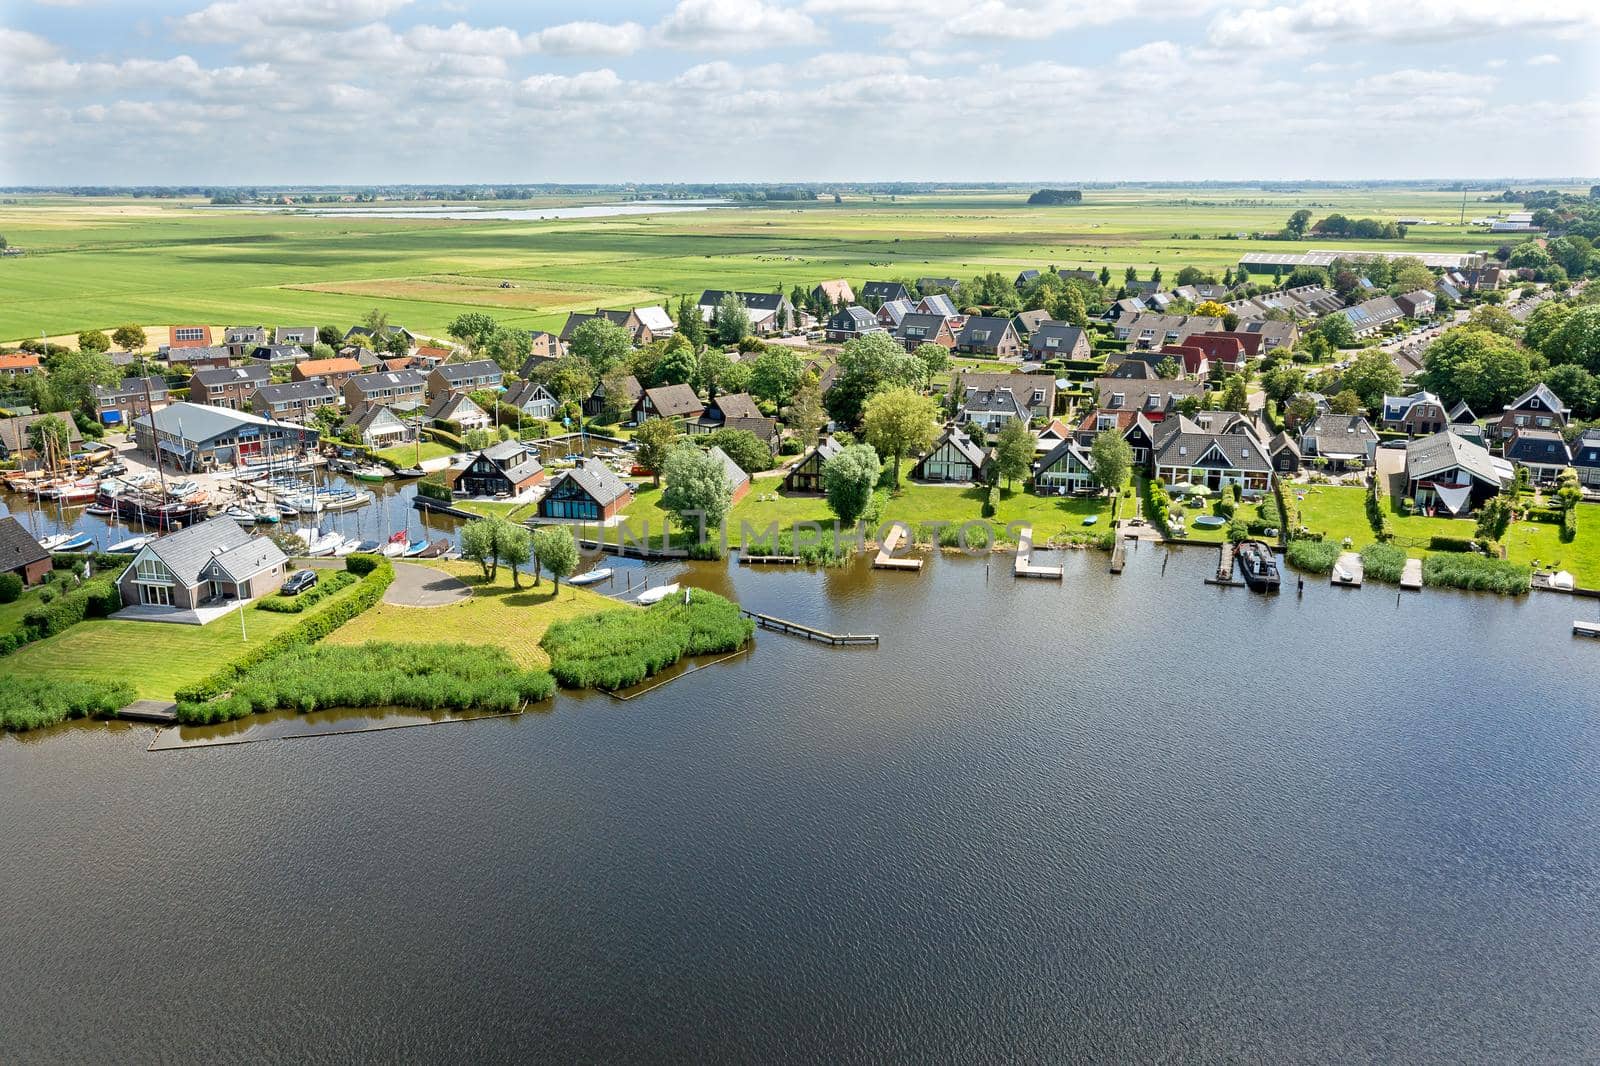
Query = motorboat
x=129 y=546
x=1259 y=565
x=410 y=471
x=66 y=542
x=240 y=515
x=655 y=595
x=371 y=473
x=267 y=518
x=183 y=488
x=100 y=510
x=592 y=577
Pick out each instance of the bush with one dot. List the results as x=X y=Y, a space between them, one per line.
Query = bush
x=1159 y=509
x=95 y=598
x=1449 y=544
x=614 y=649
x=1476 y=573
x=10 y=588
x=325 y=587
x=308 y=630
x=1376 y=515
x=434 y=487
x=31 y=702
x=1383 y=562
x=362 y=564
x=1312 y=556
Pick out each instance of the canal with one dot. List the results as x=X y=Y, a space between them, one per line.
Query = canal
x=1111 y=818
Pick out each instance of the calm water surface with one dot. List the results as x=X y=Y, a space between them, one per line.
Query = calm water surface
x=1131 y=818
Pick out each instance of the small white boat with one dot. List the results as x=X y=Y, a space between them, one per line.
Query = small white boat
x=346 y=547
x=240 y=515
x=591 y=577
x=183 y=488
x=397 y=545
x=655 y=595
x=415 y=548
x=129 y=546
x=66 y=542
x=325 y=544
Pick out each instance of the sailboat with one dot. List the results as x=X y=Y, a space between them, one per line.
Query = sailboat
x=66 y=542
x=397 y=545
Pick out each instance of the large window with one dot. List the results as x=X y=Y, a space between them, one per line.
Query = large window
x=154 y=570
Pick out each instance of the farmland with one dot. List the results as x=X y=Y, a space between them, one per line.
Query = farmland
x=102 y=262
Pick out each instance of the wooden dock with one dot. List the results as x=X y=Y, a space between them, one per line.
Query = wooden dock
x=1411 y=576
x=886 y=559
x=746 y=559
x=795 y=629
x=1119 y=552
x=161 y=713
x=1023 y=565
x=1348 y=571
x=1580 y=628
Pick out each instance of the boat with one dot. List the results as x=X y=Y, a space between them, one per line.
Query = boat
x=410 y=471
x=434 y=550
x=1259 y=565
x=324 y=544
x=655 y=595
x=397 y=545
x=1091 y=520
x=240 y=515
x=267 y=518
x=368 y=547
x=414 y=549
x=346 y=547
x=66 y=542
x=591 y=577
x=372 y=473
x=183 y=488
x=129 y=546
x=100 y=510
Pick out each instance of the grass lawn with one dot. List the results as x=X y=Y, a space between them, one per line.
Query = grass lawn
x=1539 y=545
x=11 y=613
x=496 y=614
x=406 y=454
x=155 y=657
x=516 y=512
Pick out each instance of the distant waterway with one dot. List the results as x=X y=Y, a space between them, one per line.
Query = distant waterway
x=629 y=207
x=1114 y=818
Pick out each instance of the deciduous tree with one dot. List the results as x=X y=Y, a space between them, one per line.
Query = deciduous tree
x=697 y=489
x=129 y=338
x=1013 y=451
x=898 y=421
x=655 y=439
x=848 y=480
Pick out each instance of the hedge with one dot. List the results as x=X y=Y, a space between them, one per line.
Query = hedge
x=1476 y=573
x=1383 y=562
x=1312 y=556
x=31 y=702
x=95 y=598
x=1377 y=516
x=1449 y=544
x=617 y=648
x=306 y=631
x=325 y=587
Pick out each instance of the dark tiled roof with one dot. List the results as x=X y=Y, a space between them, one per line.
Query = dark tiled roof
x=17 y=546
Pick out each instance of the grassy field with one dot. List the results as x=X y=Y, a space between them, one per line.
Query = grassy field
x=155 y=657
x=406 y=454
x=496 y=614
x=101 y=262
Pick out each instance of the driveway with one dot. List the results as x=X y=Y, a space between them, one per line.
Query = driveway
x=423 y=586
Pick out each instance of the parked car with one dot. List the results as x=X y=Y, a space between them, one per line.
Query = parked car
x=298 y=582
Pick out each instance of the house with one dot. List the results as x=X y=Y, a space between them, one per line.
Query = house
x=878 y=293
x=424 y=357
x=278 y=355
x=462 y=378
x=991 y=408
x=1417 y=415
x=1268 y=335
x=1586 y=459
x=1284 y=454
x=334 y=371
x=806 y=473
x=197 y=358
x=1127 y=305
x=1217 y=449
x=20 y=554
x=199 y=437
x=458 y=408
x=590 y=492
x=1450 y=475
x=954 y=457
x=1026 y=323
x=937 y=304
x=1419 y=303
x=990 y=336
x=1034 y=393
x=668 y=401
x=575 y=319
x=1192 y=359
x=738 y=480
x=937 y=285
x=1072 y=274
x=724 y=408
x=14 y=442
x=241 y=339
x=1142 y=288
x=546 y=345
x=1134 y=366
x=293 y=400
x=851 y=322
x=769 y=312
x=392 y=388
x=1201 y=291
x=19 y=364
x=917 y=329
x=506 y=469
x=1538 y=408
x=304 y=336
x=892 y=312
x=119 y=404
x=1051 y=435
x=210 y=562
x=1542 y=452
x=836 y=293
x=596 y=400
x=532 y=399
x=230 y=386
x=654 y=324
x=1025 y=278
x=1372 y=315
x=765 y=430
x=1152 y=330
x=379 y=427
x=1223 y=351
x=382 y=336
x=1068 y=469
x=1344 y=442
x=1137 y=430
x=189 y=337
x=1155 y=398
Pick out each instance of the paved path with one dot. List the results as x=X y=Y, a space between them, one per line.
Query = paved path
x=423 y=586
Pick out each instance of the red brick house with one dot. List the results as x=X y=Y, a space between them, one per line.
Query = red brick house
x=20 y=554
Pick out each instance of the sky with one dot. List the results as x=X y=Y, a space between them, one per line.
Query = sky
x=240 y=92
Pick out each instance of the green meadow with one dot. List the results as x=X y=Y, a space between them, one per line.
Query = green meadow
x=101 y=262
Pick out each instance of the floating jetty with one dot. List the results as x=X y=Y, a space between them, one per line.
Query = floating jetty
x=149 y=711
x=1023 y=565
x=886 y=559
x=1348 y=571
x=795 y=629
x=1580 y=628
x=1224 y=574
x=1411 y=576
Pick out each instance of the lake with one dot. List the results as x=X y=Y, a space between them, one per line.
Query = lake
x=1112 y=818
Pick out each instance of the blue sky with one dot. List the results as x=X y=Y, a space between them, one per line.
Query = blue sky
x=323 y=91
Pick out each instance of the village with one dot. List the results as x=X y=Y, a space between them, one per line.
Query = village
x=1363 y=416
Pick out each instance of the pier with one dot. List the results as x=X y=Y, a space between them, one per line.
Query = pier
x=886 y=559
x=1411 y=576
x=157 y=711
x=795 y=629
x=1348 y=571
x=1023 y=565
x=746 y=559
x=1580 y=628
x=1119 y=552
x=1224 y=574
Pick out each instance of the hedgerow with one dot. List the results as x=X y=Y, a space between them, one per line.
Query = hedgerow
x=298 y=604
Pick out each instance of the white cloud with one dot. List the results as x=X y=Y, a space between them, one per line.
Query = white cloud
x=1311 y=25
x=736 y=25
x=231 y=21
x=589 y=38
x=1547 y=59
x=462 y=39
